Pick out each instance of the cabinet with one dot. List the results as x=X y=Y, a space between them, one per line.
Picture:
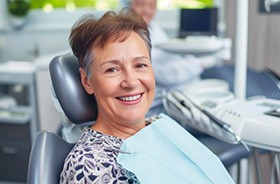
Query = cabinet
x=18 y=119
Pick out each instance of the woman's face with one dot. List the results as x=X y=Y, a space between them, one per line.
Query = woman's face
x=145 y=8
x=122 y=81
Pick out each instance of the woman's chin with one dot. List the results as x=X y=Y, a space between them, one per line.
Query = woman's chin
x=134 y=116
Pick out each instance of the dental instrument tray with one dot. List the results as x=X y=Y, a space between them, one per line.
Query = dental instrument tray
x=253 y=122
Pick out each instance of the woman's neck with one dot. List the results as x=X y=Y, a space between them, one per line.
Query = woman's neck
x=121 y=130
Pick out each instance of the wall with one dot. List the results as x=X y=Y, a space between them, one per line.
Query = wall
x=28 y=44
x=264 y=39
x=43 y=33
x=263 y=36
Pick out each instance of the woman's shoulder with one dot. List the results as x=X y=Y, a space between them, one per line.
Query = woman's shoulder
x=94 y=142
x=93 y=154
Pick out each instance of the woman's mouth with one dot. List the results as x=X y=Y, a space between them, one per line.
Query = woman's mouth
x=129 y=98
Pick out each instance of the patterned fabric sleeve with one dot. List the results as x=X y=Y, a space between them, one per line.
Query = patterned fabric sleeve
x=94 y=163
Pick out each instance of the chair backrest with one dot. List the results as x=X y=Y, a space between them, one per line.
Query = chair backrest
x=50 y=150
x=76 y=103
x=47 y=158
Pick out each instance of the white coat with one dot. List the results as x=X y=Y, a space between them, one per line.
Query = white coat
x=172 y=71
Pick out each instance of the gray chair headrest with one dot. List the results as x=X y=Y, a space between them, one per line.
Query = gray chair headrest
x=77 y=104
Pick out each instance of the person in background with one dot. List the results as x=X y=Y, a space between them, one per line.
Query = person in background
x=172 y=71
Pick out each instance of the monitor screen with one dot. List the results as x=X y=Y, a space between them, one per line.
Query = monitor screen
x=198 y=22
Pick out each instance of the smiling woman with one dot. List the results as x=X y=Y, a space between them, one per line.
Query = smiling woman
x=114 y=56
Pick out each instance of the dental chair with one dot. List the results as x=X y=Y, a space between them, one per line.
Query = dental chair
x=49 y=150
x=259 y=83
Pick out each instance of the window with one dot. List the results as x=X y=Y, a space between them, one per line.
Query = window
x=171 y=4
x=71 y=5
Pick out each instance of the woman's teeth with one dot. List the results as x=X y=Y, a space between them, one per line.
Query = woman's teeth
x=131 y=98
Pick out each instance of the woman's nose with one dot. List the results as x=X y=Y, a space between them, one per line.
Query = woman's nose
x=130 y=80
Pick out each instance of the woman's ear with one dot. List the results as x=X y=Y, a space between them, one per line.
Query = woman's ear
x=86 y=81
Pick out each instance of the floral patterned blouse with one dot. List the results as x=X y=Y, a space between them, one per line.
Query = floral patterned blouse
x=93 y=160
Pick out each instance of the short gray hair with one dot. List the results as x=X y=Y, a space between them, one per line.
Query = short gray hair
x=90 y=32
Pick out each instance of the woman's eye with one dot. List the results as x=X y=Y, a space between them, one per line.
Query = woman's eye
x=141 y=65
x=111 y=70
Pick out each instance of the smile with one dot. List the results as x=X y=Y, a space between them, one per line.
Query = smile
x=130 y=98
